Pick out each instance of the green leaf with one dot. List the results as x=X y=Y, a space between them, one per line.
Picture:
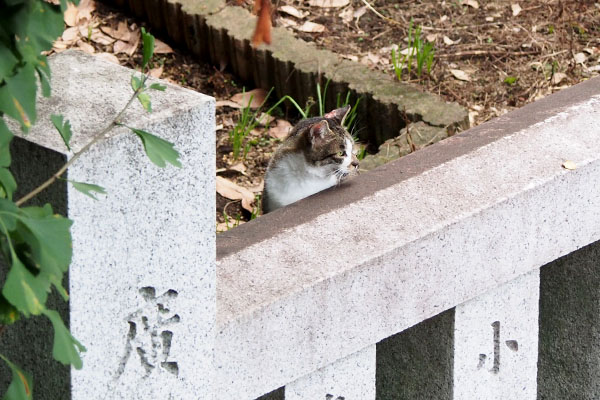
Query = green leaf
x=7 y=182
x=144 y=99
x=37 y=29
x=23 y=290
x=56 y=281
x=159 y=151
x=43 y=70
x=88 y=188
x=66 y=348
x=136 y=82
x=510 y=80
x=8 y=62
x=63 y=128
x=158 y=86
x=148 y=41
x=5 y=138
x=17 y=96
x=49 y=238
x=8 y=215
x=21 y=386
x=8 y=313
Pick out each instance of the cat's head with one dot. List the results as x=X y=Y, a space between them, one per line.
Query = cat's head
x=329 y=147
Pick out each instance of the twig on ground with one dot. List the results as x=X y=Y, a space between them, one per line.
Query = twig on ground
x=478 y=53
x=370 y=7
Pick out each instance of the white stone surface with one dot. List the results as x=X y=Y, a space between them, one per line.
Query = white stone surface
x=144 y=254
x=465 y=227
x=496 y=342
x=351 y=378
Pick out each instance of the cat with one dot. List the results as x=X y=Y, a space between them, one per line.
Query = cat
x=317 y=154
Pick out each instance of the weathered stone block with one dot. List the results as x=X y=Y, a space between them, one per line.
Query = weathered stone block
x=142 y=279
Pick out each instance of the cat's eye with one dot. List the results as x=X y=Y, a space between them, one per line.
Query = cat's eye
x=341 y=154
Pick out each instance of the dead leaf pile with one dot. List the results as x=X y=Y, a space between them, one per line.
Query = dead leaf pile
x=89 y=33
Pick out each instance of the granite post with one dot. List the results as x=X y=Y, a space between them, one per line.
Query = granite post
x=142 y=279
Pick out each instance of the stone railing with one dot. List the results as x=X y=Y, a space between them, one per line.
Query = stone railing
x=421 y=279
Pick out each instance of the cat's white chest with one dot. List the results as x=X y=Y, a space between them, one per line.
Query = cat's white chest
x=293 y=180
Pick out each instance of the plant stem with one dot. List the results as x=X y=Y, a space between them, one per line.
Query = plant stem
x=85 y=148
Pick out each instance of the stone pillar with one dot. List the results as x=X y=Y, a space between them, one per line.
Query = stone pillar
x=483 y=349
x=569 y=353
x=496 y=343
x=351 y=378
x=142 y=279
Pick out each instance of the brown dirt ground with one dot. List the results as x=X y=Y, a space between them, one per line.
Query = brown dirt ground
x=548 y=38
x=489 y=43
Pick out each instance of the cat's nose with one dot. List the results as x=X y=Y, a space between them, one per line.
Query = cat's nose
x=354 y=163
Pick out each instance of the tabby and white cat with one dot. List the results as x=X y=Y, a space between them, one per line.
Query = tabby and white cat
x=317 y=154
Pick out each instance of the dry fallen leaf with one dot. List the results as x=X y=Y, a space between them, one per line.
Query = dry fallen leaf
x=258 y=97
x=370 y=59
x=100 y=38
x=432 y=37
x=347 y=15
x=281 y=129
x=161 y=47
x=232 y=191
x=472 y=115
x=124 y=47
x=108 y=57
x=328 y=3
x=287 y=22
x=134 y=42
x=558 y=78
x=311 y=27
x=569 y=165
x=471 y=3
x=516 y=9
x=156 y=72
x=121 y=33
x=265 y=119
x=360 y=12
x=70 y=35
x=460 y=75
x=85 y=9
x=227 y=103
x=580 y=58
x=293 y=11
x=239 y=167
x=59 y=46
x=70 y=16
x=448 y=41
x=88 y=48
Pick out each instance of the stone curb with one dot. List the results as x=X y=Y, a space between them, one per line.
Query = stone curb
x=221 y=35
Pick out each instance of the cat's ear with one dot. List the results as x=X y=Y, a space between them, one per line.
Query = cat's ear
x=318 y=131
x=339 y=114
